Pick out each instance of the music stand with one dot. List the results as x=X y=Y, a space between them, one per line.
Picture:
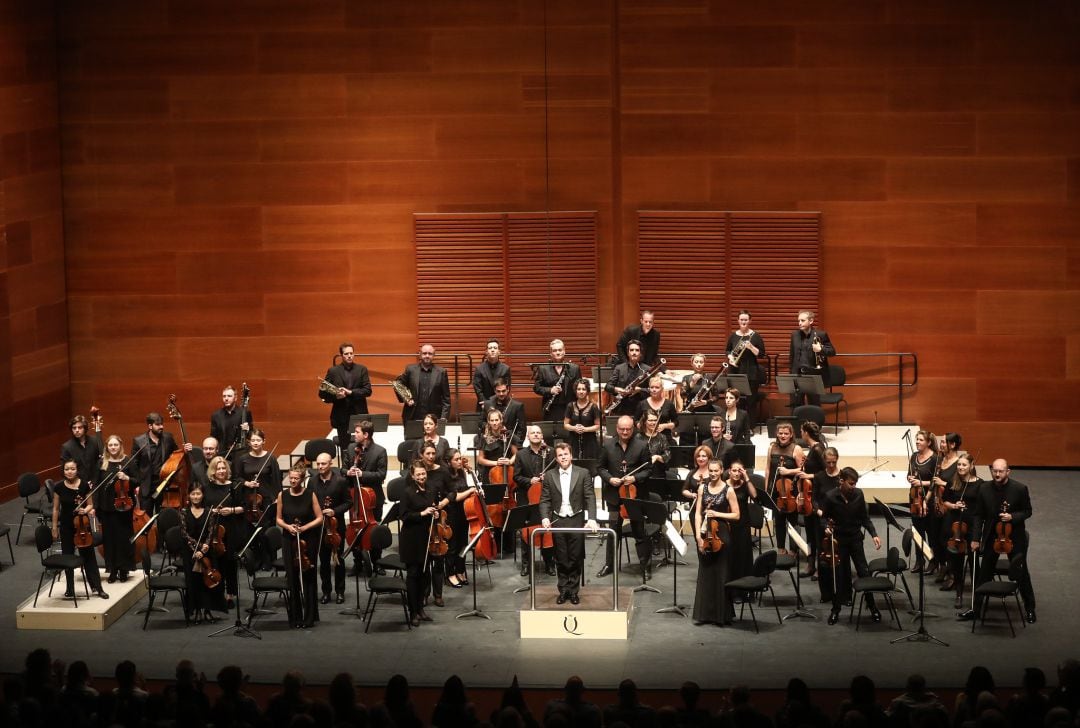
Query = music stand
x=547 y=428
x=747 y=454
x=239 y=629
x=518 y=518
x=647 y=511
x=670 y=489
x=414 y=429
x=470 y=423
x=788 y=384
x=601 y=375
x=697 y=423
x=801 y=548
x=381 y=422
x=921 y=634
x=679 y=544
x=811 y=384
x=774 y=422
x=610 y=423
x=476 y=611
x=740 y=382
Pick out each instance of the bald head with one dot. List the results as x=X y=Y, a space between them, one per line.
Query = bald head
x=999 y=470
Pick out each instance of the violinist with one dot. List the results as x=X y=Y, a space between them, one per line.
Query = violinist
x=717 y=508
x=960 y=499
x=623 y=460
x=1002 y=510
x=153 y=447
x=921 y=467
x=223 y=499
x=948 y=456
x=582 y=422
x=299 y=514
x=736 y=421
x=367 y=465
x=114 y=512
x=438 y=482
x=554 y=382
x=493 y=448
x=753 y=350
x=513 y=411
x=65 y=507
x=431 y=436
x=261 y=476
x=785 y=460
x=658 y=444
x=82 y=448
x=353 y=387
x=662 y=407
x=488 y=373
x=808 y=354
x=698 y=474
x=227 y=423
x=418 y=508
x=202 y=600
x=812 y=465
x=845 y=508
x=460 y=489
x=825 y=481
x=741 y=546
x=529 y=466
x=622 y=375
x=330 y=487
x=567 y=499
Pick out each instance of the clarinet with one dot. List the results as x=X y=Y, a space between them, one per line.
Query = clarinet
x=558 y=383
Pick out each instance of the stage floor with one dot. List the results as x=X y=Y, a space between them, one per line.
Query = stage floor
x=662 y=649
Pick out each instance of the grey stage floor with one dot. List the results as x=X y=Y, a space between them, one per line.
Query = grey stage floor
x=663 y=649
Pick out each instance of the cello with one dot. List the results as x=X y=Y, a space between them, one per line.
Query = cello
x=176 y=471
x=502 y=475
x=478 y=518
x=547 y=541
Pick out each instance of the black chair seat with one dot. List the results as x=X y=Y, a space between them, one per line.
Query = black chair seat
x=873 y=584
x=785 y=562
x=748 y=583
x=62 y=561
x=390 y=562
x=881 y=565
x=164 y=582
x=377 y=586
x=269 y=583
x=997 y=589
x=386 y=584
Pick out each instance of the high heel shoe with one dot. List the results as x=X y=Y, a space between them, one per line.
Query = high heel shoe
x=208 y=616
x=453 y=584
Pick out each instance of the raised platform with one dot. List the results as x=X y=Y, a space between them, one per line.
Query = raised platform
x=93 y=614
x=592 y=619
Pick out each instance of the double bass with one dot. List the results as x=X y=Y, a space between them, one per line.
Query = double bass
x=175 y=474
x=478 y=518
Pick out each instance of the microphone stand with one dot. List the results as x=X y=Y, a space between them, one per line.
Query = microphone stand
x=920 y=635
x=476 y=611
x=238 y=628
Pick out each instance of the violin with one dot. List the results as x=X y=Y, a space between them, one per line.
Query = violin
x=626 y=491
x=478 y=518
x=253 y=500
x=827 y=555
x=806 y=492
x=439 y=534
x=332 y=539
x=84 y=527
x=713 y=536
x=916 y=496
x=301 y=560
x=939 y=490
x=216 y=542
x=122 y=500
x=958 y=542
x=1003 y=543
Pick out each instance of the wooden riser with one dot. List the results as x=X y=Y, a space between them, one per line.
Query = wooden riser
x=592 y=619
x=92 y=614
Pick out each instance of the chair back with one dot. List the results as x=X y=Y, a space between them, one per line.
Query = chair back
x=167 y=518
x=314 y=448
x=273 y=539
x=404 y=452
x=43 y=539
x=892 y=561
x=837 y=376
x=905 y=541
x=29 y=485
x=1016 y=568
x=395 y=489
x=765 y=564
x=381 y=537
x=174 y=540
x=808 y=413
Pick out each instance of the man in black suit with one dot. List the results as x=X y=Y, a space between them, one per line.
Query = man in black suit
x=199 y=466
x=809 y=354
x=153 y=448
x=845 y=507
x=350 y=387
x=83 y=449
x=554 y=382
x=488 y=372
x=513 y=411
x=226 y=424
x=619 y=458
x=647 y=336
x=429 y=386
x=567 y=494
x=367 y=465
x=618 y=384
x=1003 y=501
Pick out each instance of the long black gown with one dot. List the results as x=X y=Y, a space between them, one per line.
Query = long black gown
x=199 y=596
x=712 y=603
x=303 y=611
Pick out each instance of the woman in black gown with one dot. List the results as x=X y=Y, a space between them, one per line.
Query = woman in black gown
x=224 y=501
x=299 y=517
x=741 y=546
x=949 y=454
x=459 y=489
x=418 y=508
x=261 y=476
x=67 y=502
x=716 y=501
x=438 y=481
x=960 y=499
x=921 y=467
x=201 y=598
x=431 y=436
x=582 y=423
x=116 y=520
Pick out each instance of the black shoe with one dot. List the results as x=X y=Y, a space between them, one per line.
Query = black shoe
x=112 y=578
x=834 y=617
x=123 y=577
x=1031 y=616
x=208 y=616
x=875 y=615
x=524 y=568
x=958 y=603
x=605 y=570
x=69 y=594
x=549 y=569
x=340 y=599
x=325 y=598
x=424 y=616
x=101 y=593
x=456 y=585
x=575 y=599
x=967 y=616
x=561 y=599
x=310 y=624
x=415 y=621
x=439 y=602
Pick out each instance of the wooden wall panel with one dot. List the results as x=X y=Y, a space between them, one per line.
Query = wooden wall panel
x=981 y=180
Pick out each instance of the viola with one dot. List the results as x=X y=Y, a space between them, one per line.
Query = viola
x=216 y=531
x=916 y=496
x=627 y=491
x=210 y=575
x=806 y=492
x=827 y=554
x=301 y=560
x=331 y=537
x=958 y=542
x=786 y=501
x=84 y=532
x=122 y=500
x=1003 y=543
x=479 y=520
x=939 y=490
x=439 y=535
x=714 y=536
x=175 y=473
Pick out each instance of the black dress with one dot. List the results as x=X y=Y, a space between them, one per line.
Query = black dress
x=199 y=596
x=237 y=529
x=116 y=528
x=585 y=446
x=413 y=541
x=924 y=471
x=66 y=526
x=455 y=513
x=741 y=545
x=303 y=611
x=711 y=600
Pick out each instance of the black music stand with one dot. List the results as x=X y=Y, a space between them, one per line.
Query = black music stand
x=547 y=427
x=518 y=518
x=671 y=536
x=601 y=375
x=414 y=429
x=800 y=609
x=747 y=454
x=921 y=634
x=740 y=382
x=610 y=421
x=470 y=423
x=647 y=511
x=789 y=384
x=670 y=489
x=239 y=629
x=476 y=611
x=381 y=422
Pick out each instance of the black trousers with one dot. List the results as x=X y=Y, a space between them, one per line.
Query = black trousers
x=89 y=556
x=849 y=553
x=988 y=559
x=415 y=577
x=637 y=530
x=570 y=555
x=325 y=567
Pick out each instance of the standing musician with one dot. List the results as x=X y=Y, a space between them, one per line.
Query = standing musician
x=460 y=490
x=659 y=405
x=202 y=600
x=813 y=464
x=719 y=440
x=620 y=457
x=785 y=459
x=715 y=510
x=224 y=500
x=418 y=508
x=845 y=510
x=1002 y=510
x=961 y=500
x=826 y=480
x=741 y=547
x=438 y=482
x=736 y=421
x=431 y=436
x=948 y=457
x=367 y=463
x=83 y=449
x=116 y=517
x=226 y=424
x=493 y=446
x=622 y=375
x=692 y=384
x=567 y=499
x=697 y=474
x=199 y=472
x=554 y=382
x=658 y=444
x=153 y=448
x=429 y=385
x=487 y=373
x=334 y=497
x=348 y=390
x=261 y=477
x=513 y=411
x=300 y=514
x=808 y=354
x=744 y=348
x=65 y=506
x=647 y=337
x=529 y=465
x=581 y=420
x=921 y=467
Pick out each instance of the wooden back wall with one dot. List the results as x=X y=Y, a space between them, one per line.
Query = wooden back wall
x=239 y=181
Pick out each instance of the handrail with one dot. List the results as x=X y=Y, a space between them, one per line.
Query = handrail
x=605 y=530
x=900 y=384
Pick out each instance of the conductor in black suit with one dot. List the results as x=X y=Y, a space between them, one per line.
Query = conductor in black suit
x=430 y=388
x=567 y=494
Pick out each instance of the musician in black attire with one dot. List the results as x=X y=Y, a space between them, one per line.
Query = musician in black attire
x=620 y=456
x=202 y=600
x=582 y=423
x=152 y=450
x=513 y=411
x=487 y=373
x=719 y=442
x=367 y=468
x=335 y=498
x=198 y=467
x=116 y=522
x=431 y=436
x=554 y=382
x=921 y=468
x=1000 y=502
x=224 y=500
x=460 y=488
x=83 y=449
x=809 y=347
x=826 y=480
x=529 y=466
x=845 y=509
x=961 y=501
x=647 y=337
x=299 y=513
x=418 y=508
x=748 y=347
x=261 y=478
x=353 y=387
x=566 y=500
x=429 y=386
x=64 y=509
x=228 y=423
x=623 y=375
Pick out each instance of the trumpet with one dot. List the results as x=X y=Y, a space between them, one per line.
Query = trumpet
x=819 y=356
x=738 y=351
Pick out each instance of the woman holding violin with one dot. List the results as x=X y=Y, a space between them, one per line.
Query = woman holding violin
x=223 y=499
x=458 y=491
x=431 y=436
x=71 y=523
x=203 y=596
x=921 y=468
x=438 y=482
x=716 y=509
x=261 y=476
x=418 y=509
x=299 y=516
x=698 y=475
x=948 y=456
x=582 y=421
x=959 y=502
x=114 y=504
x=804 y=486
x=785 y=463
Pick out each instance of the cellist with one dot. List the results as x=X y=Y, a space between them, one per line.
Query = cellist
x=153 y=447
x=459 y=489
x=785 y=459
x=529 y=465
x=367 y=460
